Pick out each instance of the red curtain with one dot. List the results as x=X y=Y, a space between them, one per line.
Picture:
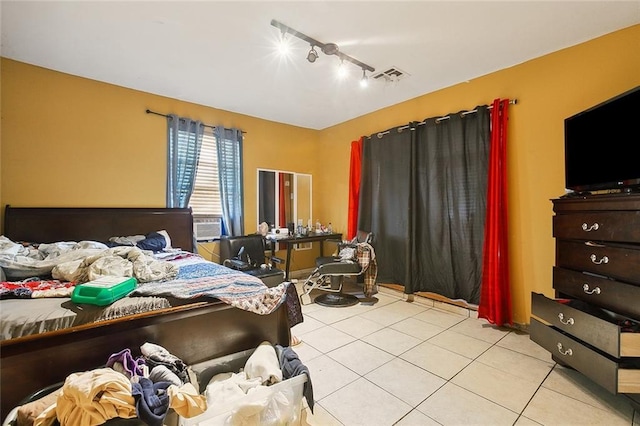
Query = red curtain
x=354 y=187
x=495 y=294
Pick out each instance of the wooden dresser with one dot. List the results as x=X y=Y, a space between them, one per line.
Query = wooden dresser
x=593 y=325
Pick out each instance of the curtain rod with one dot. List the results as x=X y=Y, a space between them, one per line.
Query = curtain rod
x=148 y=111
x=439 y=119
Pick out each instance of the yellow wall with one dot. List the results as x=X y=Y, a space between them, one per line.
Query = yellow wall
x=548 y=89
x=68 y=141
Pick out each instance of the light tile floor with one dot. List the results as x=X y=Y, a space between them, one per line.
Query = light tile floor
x=429 y=363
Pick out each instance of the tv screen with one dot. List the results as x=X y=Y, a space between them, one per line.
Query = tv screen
x=601 y=145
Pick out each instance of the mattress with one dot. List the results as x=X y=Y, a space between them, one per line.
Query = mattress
x=23 y=317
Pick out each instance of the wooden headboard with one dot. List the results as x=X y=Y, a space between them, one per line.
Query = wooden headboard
x=50 y=224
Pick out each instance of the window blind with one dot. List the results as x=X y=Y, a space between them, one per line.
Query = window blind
x=205 y=199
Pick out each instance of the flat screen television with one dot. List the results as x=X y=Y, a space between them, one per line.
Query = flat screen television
x=601 y=146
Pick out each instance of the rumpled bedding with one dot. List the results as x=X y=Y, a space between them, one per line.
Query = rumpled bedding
x=81 y=262
x=122 y=261
x=198 y=277
x=19 y=262
x=176 y=273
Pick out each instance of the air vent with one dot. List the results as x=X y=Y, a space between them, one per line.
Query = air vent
x=392 y=74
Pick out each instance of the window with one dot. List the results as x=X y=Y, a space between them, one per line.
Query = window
x=204 y=172
x=205 y=199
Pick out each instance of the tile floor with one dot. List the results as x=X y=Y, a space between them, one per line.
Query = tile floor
x=402 y=363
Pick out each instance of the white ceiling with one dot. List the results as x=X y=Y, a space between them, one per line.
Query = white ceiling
x=222 y=53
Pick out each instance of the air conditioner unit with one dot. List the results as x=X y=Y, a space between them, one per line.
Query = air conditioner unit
x=207 y=228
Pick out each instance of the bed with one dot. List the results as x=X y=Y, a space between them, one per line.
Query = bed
x=194 y=329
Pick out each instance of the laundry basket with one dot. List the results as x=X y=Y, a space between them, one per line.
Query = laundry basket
x=278 y=404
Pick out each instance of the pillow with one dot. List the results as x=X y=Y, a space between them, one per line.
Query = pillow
x=165 y=234
x=154 y=242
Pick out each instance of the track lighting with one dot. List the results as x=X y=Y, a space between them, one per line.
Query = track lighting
x=326 y=48
x=313 y=55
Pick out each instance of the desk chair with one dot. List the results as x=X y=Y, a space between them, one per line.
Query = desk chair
x=246 y=253
x=330 y=272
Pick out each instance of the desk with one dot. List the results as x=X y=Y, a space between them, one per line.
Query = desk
x=293 y=240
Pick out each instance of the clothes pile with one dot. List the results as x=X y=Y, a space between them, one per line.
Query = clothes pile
x=148 y=386
x=145 y=387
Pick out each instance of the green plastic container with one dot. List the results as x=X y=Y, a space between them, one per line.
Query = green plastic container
x=103 y=291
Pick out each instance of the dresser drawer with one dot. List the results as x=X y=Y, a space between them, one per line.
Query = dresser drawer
x=600 y=333
x=611 y=374
x=611 y=261
x=610 y=294
x=619 y=226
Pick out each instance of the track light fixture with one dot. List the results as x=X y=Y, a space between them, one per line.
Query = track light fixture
x=313 y=55
x=326 y=48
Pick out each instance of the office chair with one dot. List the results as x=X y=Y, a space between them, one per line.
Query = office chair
x=246 y=253
x=330 y=272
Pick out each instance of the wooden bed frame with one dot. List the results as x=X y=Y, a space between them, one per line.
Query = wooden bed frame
x=193 y=332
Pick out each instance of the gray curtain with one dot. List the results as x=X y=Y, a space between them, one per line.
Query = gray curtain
x=229 y=143
x=184 y=138
x=384 y=201
x=423 y=194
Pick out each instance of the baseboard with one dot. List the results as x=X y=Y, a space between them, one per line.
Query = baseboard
x=300 y=273
x=441 y=302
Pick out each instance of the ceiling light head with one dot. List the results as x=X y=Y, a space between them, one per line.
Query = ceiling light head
x=283 y=45
x=342 y=70
x=312 y=55
x=330 y=49
x=364 y=81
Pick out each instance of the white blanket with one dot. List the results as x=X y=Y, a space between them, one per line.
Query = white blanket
x=19 y=262
x=122 y=261
x=81 y=262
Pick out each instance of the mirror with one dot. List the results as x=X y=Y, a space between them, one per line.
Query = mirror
x=283 y=198
x=303 y=199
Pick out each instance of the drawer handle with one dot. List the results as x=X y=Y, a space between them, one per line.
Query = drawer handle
x=604 y=259
x=588 y=228
x=596 y=290
x=563 y=352
x=570 y=321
